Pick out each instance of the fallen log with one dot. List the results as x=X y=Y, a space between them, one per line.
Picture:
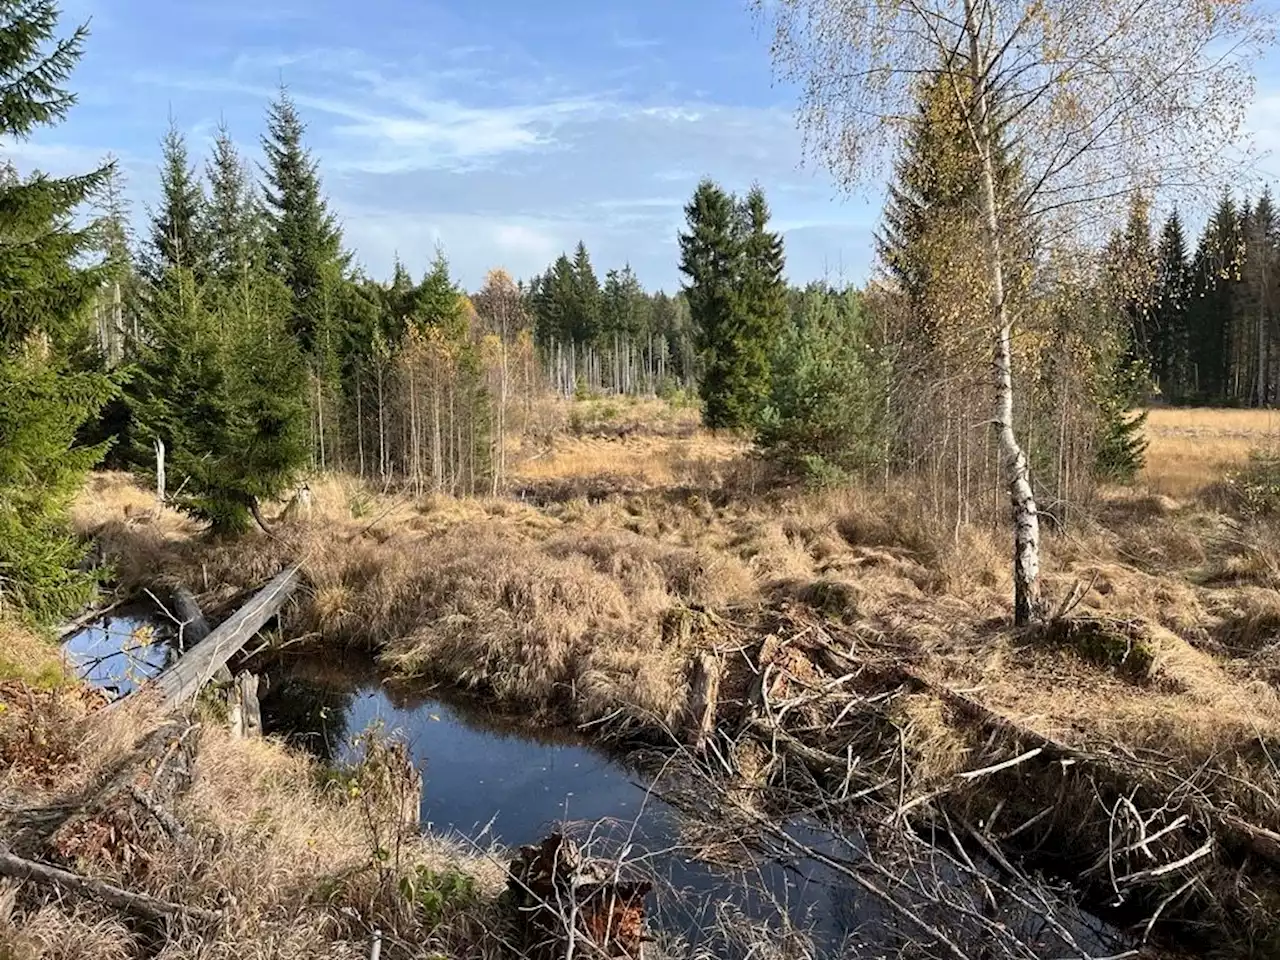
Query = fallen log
x=192 y=625
x=183 y=680
x=141 y=904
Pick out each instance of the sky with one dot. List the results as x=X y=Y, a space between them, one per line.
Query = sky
x=503 y=130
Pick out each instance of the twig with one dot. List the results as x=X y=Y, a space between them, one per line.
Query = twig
x=79 y=623
x=1146 y=933
x=1189 y=859
x=974 y=774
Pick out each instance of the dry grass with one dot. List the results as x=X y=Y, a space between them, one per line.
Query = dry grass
x=290 y=856
x=28 y=657
x=586 y=598
x=1191 y=448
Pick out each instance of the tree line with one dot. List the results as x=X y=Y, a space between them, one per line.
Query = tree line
x=1206 y=322
x=237 y=336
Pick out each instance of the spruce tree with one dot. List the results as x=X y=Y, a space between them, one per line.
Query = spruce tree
x=435 y=301
x=935 y=188
x=1215 y=272
x=45 y=314
x=223 y=385
x=710 y=259
x=763 y=293
x=584 y=316
x=302 y=236
x=1257 y=294
x=233 y=221
x=177 y=239
x=1171 y=311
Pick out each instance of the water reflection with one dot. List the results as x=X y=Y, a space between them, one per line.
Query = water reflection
x=126 y=647
x=494 y=777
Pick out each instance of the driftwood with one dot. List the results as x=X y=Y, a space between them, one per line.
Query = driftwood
x=569 y=904
x=182 y=681
x=138 y=903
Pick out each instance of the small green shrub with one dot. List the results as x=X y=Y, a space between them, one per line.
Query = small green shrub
x=436 y=892
x=820 y=474
x=360 y=504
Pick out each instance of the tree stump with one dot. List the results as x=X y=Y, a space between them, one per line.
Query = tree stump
x=704 y=695
x=245 y=713
x=565 y=901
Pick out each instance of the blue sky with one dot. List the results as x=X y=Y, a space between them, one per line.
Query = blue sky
x=505 y=130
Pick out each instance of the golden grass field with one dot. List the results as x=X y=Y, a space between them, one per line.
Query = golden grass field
x=1191 y=448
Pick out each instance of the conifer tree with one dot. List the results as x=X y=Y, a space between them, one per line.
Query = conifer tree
x=710 y=259
x=1215 y=272
x=584 y=305
x=222 y=384
x=823 y=413
x=1257 y=291
x=233 y=221
x=762 y=290
x=1171 y=311
x=45 y=313
x=435 y=301
x=302 y=235
x=177 y=239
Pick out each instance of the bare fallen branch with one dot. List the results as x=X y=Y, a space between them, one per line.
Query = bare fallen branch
x=138 y=903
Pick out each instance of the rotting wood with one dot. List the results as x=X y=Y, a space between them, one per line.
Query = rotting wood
x=245 y=712
x=703 y=699
x=182 y=681
x=567 y=903
x=141 y=904
x=176 y=831
x=192 y=625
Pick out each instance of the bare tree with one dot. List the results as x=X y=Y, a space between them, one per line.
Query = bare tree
x=1096 y=97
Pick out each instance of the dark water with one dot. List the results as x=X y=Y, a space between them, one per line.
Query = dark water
x=489 y=777
x=492 y=778
x=124 y=648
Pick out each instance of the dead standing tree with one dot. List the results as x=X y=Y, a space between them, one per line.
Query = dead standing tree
x=1097 y=99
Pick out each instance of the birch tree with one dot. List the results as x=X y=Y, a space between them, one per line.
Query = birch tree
x=1097 y=98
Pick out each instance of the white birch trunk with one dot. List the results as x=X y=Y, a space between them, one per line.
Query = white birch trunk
x=1015 y=469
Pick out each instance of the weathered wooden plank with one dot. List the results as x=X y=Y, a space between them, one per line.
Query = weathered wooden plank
x=183 y=680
